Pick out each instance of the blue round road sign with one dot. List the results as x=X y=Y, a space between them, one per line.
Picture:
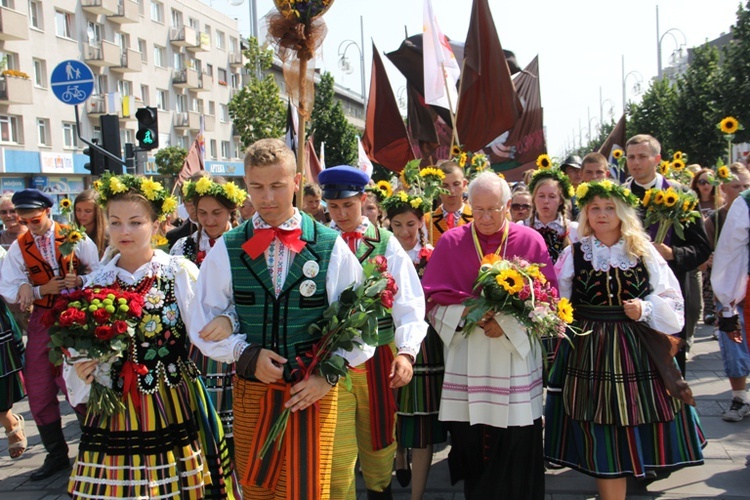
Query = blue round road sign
x=72 y=82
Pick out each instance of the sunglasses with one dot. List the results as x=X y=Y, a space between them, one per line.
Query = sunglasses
x=703 y=182
x=519 y=206
x=26 y=222
x=8 y=212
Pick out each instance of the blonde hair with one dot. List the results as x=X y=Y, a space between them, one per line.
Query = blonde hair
x=269 y=152
x=645 y=139
x=636 y=239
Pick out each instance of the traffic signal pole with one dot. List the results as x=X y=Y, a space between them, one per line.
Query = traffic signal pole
x=93 y=146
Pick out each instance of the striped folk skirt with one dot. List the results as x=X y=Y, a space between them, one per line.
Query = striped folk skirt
x=11 y=360
x=173 y=447
x=608 y=413
x=217 y=377
x=419 y=401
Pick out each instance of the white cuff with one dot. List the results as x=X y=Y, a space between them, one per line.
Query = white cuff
x=239 y=348
x=646 y=309
x=234 y=319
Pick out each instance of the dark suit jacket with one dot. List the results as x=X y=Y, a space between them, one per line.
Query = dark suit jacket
x=186 y=229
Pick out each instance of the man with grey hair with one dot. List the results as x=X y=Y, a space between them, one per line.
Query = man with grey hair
x=492 y=390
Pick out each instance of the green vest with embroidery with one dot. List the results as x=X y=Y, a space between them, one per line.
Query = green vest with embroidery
x=280 y=323
x=373 y=243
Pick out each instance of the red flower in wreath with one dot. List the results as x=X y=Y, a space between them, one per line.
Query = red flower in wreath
x=104 y=332
x=101 y=316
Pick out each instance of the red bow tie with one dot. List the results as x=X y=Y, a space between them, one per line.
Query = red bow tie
x=262 y=238
x=351 y=238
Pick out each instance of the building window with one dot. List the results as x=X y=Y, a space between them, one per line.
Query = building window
x=70 y=136
x=181 y=103
x=143 y=49
x=238 y=151
x=210 y=70
x=35 y=14
x=157 y=12
x=9 y=59
x=235 y=80
x=211 y=108
x=176 y=19
x=40 y=73
x=159 y=56
x=213 y=148
x=97 y=134
x=94 y=33
x=221 y=74
x=225 y=152
x=9 y=129
x=42 y=127
x=207 y=29
x=182 y=141
x=145 y=95
x=223 y=113
x=64 y=24
x=102 y=84
x=194 y=23
x=233 y=45
x=162 y=99
x=220 y=40
x=124 y=87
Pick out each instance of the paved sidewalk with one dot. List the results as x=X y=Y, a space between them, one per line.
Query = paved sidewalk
x=726 y=473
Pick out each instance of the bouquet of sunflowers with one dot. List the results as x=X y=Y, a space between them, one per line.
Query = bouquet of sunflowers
x=427 y=181
x=518 y=288
x=670 y=208
x=472 y=163
x=676 y=169
x=72 y=232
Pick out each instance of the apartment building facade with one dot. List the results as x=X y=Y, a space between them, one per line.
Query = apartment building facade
x=180 y=56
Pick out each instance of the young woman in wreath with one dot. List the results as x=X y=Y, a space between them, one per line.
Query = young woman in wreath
x=216 y=203
x=608 y=412
x=168 y=442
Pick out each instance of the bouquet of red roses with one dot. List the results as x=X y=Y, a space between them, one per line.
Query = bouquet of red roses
x=96 y=324
x=354 y=315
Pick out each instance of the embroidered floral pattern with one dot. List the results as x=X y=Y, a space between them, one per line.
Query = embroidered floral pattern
x=170 y=314
x=603 y=257
x=154 y=299
x=151 y=325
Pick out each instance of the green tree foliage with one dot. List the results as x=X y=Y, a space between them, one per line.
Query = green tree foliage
x=655 y=114
x=735 y=68
x=328 y=124
x=697 y=109
x=257 y=110
x=170 y=160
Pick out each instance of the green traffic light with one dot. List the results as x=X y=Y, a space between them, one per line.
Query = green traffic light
x=147 y=139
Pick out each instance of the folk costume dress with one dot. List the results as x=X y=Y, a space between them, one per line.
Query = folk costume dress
x=11 y=357
x=367 y=413
x=554 y=234
x=168 y=443
x=608 y=413
x=417 y=425
x=270 y=294
x=492 y=389
x=217 y=376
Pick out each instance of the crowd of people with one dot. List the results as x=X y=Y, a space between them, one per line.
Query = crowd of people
x=230 y=298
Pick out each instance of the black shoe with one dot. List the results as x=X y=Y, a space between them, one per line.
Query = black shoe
x=403 y=476
x=51 y=466
x=380 y=495
x=709 y=319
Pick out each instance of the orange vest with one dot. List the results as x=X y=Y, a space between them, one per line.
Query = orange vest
x=440 y=225
x=39 y=270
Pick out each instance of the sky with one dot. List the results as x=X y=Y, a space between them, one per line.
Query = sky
x=580 y=44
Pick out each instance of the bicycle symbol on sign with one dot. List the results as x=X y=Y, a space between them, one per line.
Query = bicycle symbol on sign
x=73 y=92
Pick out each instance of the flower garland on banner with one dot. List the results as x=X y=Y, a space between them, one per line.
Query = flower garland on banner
x=72 y=233
x=518 y=288
x=670 y=208
x=94 y=324
x=354 y=315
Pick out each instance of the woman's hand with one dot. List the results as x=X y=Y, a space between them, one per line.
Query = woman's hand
x=85 y=370
x=633 y=309
x=401 y=371
x=217 y=329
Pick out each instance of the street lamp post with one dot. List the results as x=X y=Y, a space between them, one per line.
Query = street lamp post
x=344 y=64
x=601 y=107
x=660 y=38
x=636 y=86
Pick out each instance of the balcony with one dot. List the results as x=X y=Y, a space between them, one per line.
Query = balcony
x=13 y=25
x=96 y=106
x=106 y=54
x=190 y=120
x=130 y=62
x=186 y=78
x=209 y=123
x=15 y=90
x=182 y=37
x=100 y=7
x=235 y=60
x=202 y=43
x=127 y=12
x=206 y=83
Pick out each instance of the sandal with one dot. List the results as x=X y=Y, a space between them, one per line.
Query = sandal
x=23 y=443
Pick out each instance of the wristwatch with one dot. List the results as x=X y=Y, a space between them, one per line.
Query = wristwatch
x=332 y=379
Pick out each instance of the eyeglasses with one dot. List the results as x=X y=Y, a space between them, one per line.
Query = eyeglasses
x=26 y=222
x=490 y=212
x=703 y=182
x=520 y=206
x=12 y=211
